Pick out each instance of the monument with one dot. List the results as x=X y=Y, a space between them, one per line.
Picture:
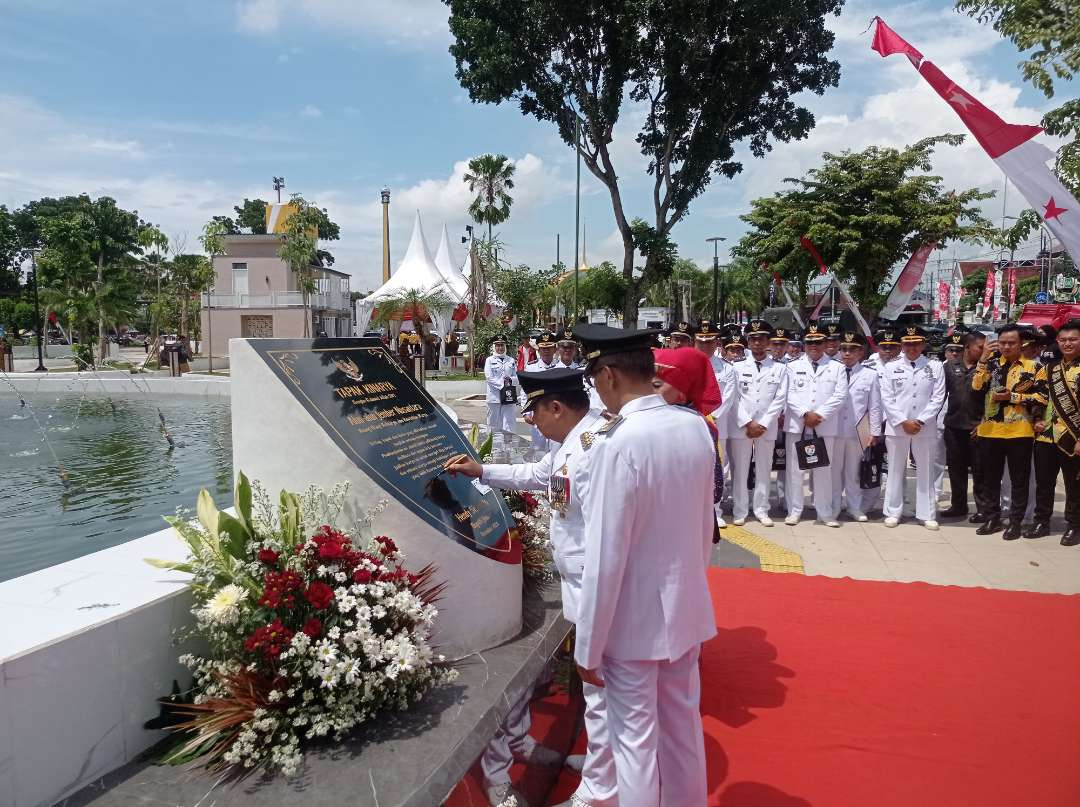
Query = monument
x=320 y=411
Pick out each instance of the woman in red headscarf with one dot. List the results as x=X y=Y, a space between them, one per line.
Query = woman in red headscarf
x=686 y=378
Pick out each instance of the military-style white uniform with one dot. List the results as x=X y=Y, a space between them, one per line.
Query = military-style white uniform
x=539 y=442
x=560 y=472
x=645 y=607
x=863 y=400
x=762 y=396
x=501 y=417
x=821 y=389
x=911 y=391
x=725 y=416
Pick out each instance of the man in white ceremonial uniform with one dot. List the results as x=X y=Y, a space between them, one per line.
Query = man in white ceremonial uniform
x=645 y=607
x=568 y=349
x=500 y=373
x=778 y=349
x=561 y=411
x=726 y=414
x=680 y=335
x=545 y=360
x=887 y=340
x=912 y=392
x=817 y=387
x=706 y=339
x=863 y=402
x=762 y=396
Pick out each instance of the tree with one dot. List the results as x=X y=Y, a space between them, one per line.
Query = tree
x=603 y=286
x=864 y=211
x=155 y=247
x=415 y=304
x=521 y=290
x=114 y=235
x=299 y=249
x=708 y=74
x=189 y=276
x=251 y=216
x=490 y=176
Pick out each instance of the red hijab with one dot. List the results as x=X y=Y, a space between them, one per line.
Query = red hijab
x=690 y=372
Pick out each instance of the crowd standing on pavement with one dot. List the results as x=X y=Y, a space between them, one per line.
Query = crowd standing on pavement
x=638 y=446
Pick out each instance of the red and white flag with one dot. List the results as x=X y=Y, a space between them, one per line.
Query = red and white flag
x=1009 y=145
x=907 y=282
x=1012 y=287
x=988 y=292
x=943 y=301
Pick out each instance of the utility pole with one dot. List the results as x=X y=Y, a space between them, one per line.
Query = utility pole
x=577 y=211
x=558 y=277
x=716 y=307
x=279 y=183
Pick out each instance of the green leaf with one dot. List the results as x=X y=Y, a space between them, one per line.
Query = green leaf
x=176 y=566
x=208 y=513
x=242 y=500
x=237 y=536
x=290 y=519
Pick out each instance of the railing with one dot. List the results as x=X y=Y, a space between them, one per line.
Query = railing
x=277 y=299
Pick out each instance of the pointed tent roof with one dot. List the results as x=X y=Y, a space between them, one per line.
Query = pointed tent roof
x=417 y=270
x=450 y=266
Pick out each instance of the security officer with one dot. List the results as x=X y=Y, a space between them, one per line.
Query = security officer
x=817 y=387
x=561 y=411
x=778 y=345
x=912 y=393
x=962 y=416
x=500 y=373
x=762 y=391
x=863 y=401
x=681 y=335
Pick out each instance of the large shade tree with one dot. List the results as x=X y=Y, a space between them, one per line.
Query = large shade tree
x=706 y=75
x=864 y=211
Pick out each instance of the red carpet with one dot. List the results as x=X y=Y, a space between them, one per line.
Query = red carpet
x=838 y=693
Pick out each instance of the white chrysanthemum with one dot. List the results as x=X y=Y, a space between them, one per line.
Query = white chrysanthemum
x=224 y=607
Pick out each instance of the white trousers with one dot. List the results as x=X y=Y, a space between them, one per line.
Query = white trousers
x=846 y=457
x=502 y=417
x=821 y=481
x=598 y=786
x=512 y=737
x=939 y=464
x=922 y=448
x=742 y=450
x=654 y=720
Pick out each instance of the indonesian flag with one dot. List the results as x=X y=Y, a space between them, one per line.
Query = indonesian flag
x=907 y=282
x=1009 y=145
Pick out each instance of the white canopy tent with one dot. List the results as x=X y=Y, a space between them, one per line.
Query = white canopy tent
x=418 y=270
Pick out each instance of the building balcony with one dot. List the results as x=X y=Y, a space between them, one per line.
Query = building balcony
x=334 y=301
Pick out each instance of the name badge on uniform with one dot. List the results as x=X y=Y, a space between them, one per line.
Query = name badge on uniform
x=559 y=491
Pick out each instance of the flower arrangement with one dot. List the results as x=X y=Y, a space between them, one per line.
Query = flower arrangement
x=533 y=517
x=311 y=629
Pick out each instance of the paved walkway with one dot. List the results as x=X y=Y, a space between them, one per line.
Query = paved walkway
x=954 y=555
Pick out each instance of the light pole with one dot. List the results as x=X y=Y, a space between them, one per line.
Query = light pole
x=577 y=211
x=385 y=234
x=716 y=307
x=279 y=183
x=41 y=368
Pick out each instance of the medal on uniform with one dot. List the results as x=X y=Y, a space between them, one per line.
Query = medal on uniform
x=559 y=491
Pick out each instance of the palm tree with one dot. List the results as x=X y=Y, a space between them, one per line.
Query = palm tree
x=490 y=176
x=300 y=250
x=416 y=303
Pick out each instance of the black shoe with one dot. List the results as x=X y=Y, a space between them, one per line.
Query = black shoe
x=991 y=526
x=1071 y=537
x=952 y=512
x=1040 y=529
x=977 y=518
x=1013 y=531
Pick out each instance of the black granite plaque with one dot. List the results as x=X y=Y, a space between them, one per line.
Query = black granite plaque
x=396 y=433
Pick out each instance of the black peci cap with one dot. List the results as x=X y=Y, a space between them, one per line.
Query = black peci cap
x=781 y=335
x=815 y=332
x=706 y=331
x=833 y=331
x=546 y=339
x=852 y=339
x=758 y=327
x=567 y=339
x=681 y=329
x=547 y=382
x=912 y=333
x=887 y=337
x=602 y=340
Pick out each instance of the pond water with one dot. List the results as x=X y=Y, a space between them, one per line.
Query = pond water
x=123 y=475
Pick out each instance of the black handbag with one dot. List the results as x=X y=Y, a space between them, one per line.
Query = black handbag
x=508 y=395
x=779 y=453
x=870 y=469
x=811 y=452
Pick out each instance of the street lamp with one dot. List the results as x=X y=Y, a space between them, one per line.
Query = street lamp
x=385 y=194
x=279 y=183
x=715 y=240
x=41 y=368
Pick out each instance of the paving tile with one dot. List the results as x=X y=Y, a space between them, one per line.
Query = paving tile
x=942 y=574
x=865 y=568
x=918 y=551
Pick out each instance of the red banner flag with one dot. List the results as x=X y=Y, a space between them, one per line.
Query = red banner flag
x=887 y=42
x=1012 y=287
x=943 y=301
x=805 y=242
x=988 y=293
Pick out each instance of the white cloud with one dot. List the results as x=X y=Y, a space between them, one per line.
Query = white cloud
x=311 y=111
x=411 y=22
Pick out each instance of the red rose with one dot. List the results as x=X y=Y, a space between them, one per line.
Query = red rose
x=362 y=576
x=331 y=550
x=319 y=595
x=313 y=628
x=268 y=556
x=386 y=545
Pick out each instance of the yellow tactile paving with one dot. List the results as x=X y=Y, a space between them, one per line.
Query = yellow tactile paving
x=772 y=557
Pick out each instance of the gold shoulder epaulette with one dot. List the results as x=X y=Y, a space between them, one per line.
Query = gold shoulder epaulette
x=587 y=439
x=611 y=425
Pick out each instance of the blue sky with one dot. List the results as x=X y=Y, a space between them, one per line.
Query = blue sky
x=180 y=110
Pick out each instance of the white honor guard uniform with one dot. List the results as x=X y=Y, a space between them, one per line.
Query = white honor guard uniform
x=911 y=390
x=560 y=472
x=762 y=396
x=501 y=417
x=863 y=401
x=645 y=607
x=813 y=386
x=539 y=442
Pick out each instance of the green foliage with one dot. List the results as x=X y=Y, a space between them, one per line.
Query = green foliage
x=603 y=286
x=709 y=75
x=251 y=216
x=1047 y=32
x=521 y=289
x=864 y=211
x=490 y=176
x=392 y=309
x=15 y=243
x=16 y=315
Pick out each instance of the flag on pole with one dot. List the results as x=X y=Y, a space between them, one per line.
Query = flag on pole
x=809 y=247
x=988 y=293
x=1012 y=287
x=999 y=289
x=1009 y=145
x=944 y=293
x=907 y=282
